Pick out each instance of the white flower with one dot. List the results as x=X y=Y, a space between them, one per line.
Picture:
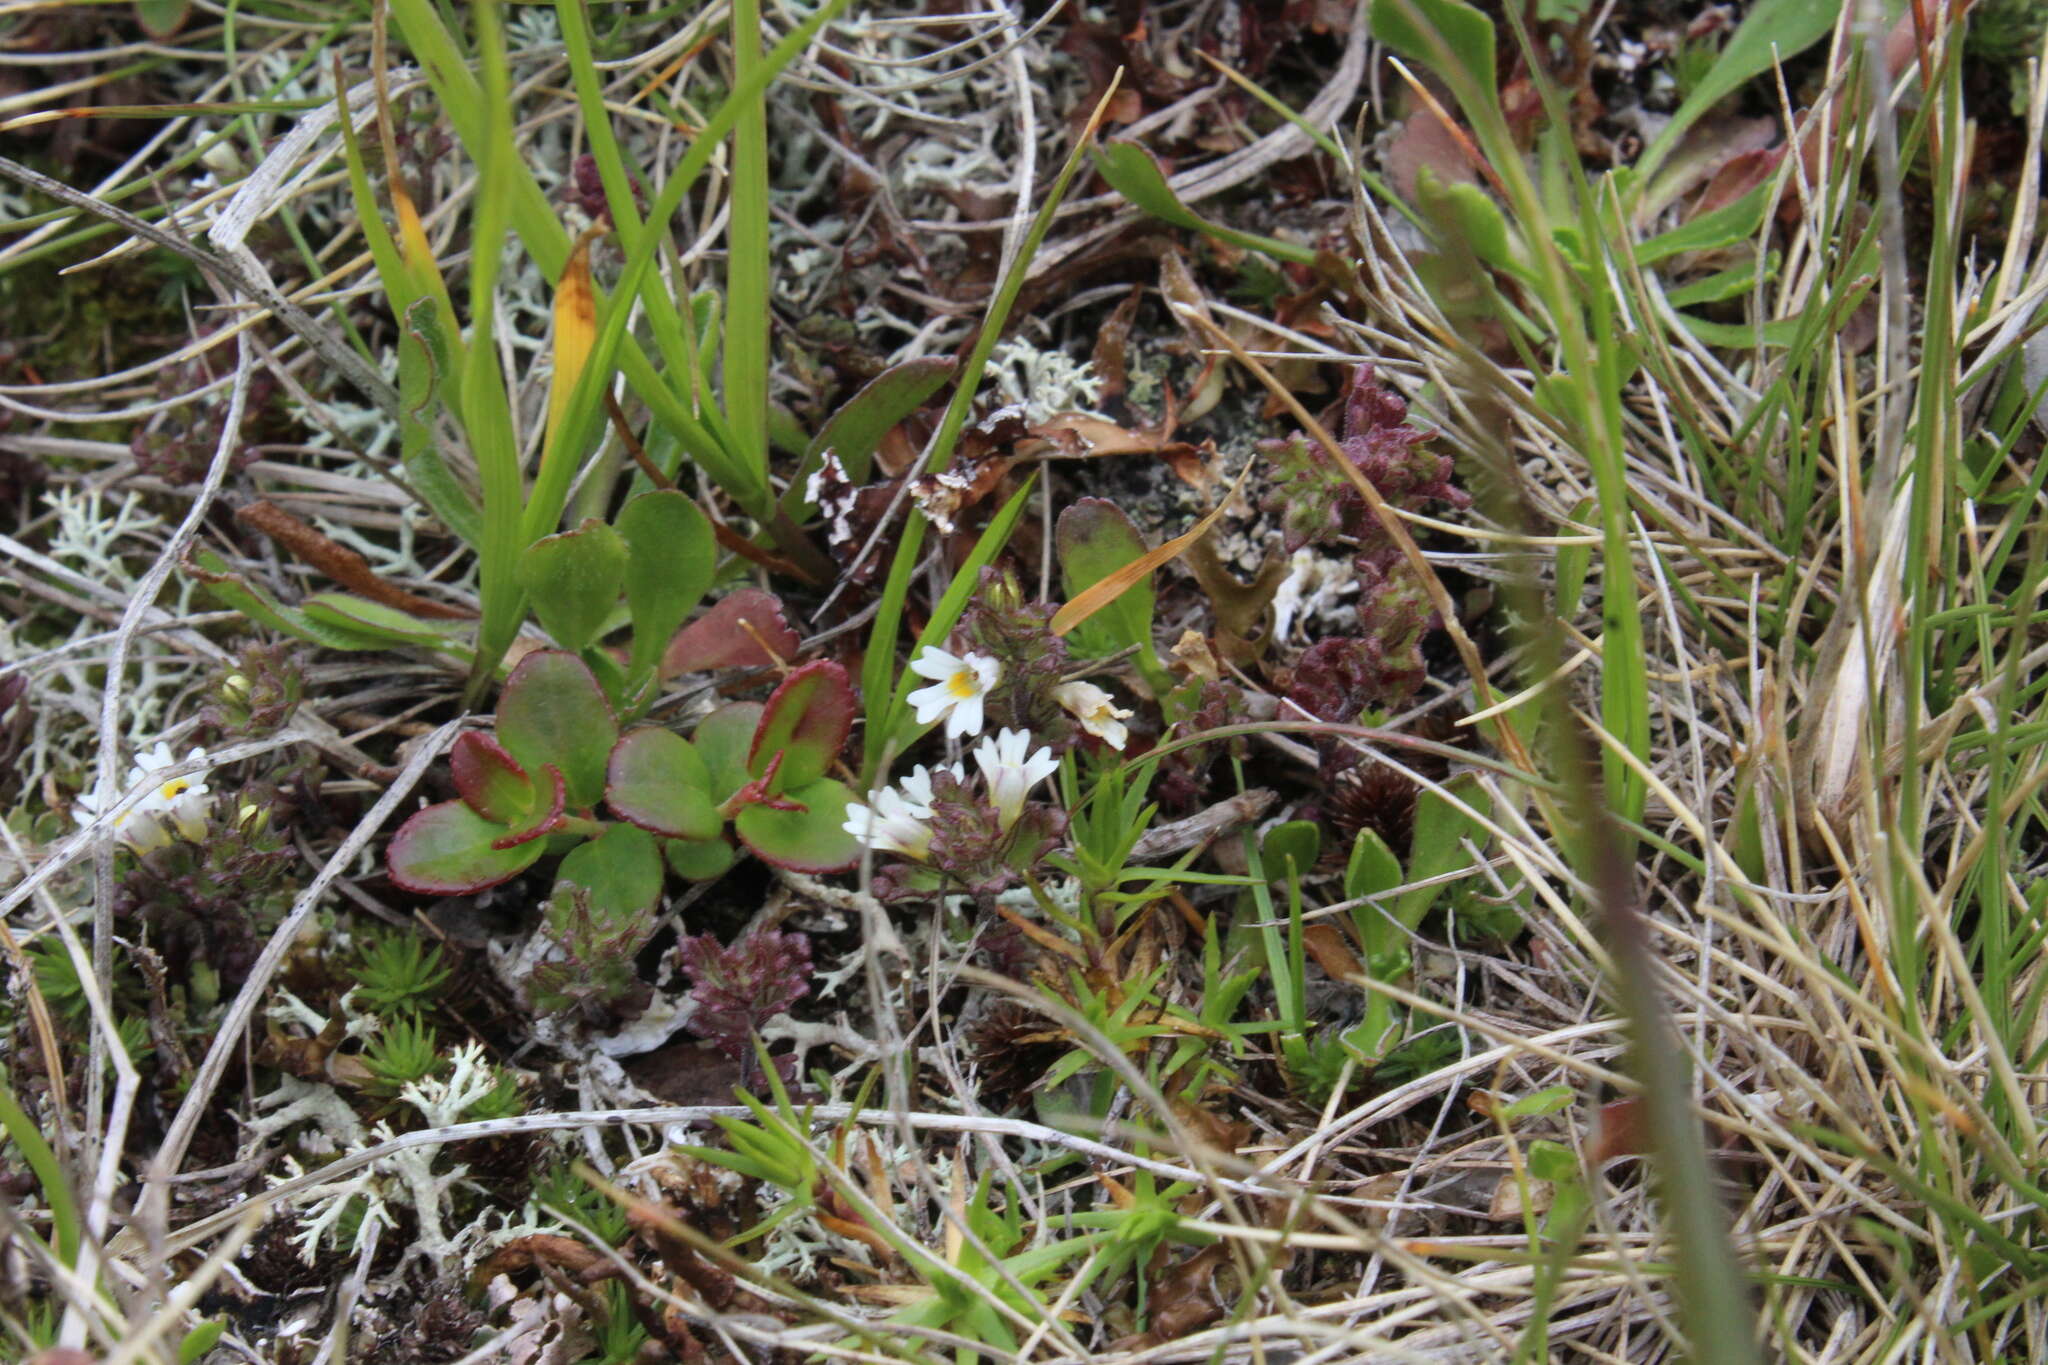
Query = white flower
x=958 y=687
x=917 y=785
x=1012 y=771
x=137 y=827
x=177 y=798
x=1096 y=710
x=894 y=824
x=172 y=802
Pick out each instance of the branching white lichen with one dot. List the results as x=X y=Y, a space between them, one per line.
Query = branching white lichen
x=1313 y=584
x=1047 y=383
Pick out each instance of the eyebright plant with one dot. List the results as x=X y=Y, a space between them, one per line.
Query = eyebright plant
x=957 y=835
x=1316 y=502
x=174 y=807
x=557 y=765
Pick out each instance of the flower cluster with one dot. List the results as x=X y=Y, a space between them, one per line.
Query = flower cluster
x=976 y=839
x=965 y=686
x=174 y=807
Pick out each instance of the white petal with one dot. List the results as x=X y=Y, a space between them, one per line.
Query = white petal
x=933 y=662
x=966 y=718
x=932 y=702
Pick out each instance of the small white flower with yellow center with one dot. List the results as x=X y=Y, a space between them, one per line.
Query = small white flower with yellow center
x=181 y=799
x=1012 y=770
x=959 y=684
x=894 y=824
x=173 y=802
x=1096 y=710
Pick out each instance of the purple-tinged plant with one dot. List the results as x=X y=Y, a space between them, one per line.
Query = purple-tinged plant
x=1337 y=679
x=736 y=990
x=1198 y=705
x=594 y=976
x=1316 y=501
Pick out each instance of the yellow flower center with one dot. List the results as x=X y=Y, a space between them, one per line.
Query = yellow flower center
x=963 y=684
x=175 y=788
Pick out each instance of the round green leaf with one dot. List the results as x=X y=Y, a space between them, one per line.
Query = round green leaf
x=671 y=553
x=723 y=739
x=657 y=780
x=807 y=840
x=553 y=711
x=699 y=860
x=446 y=850
x=620 y=868
x=573 y=581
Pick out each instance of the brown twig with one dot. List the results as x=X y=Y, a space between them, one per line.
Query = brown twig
x=340 y=563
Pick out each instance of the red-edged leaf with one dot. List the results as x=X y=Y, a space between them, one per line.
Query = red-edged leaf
x=553 y=711
x=808 y=839
x=544 y=818
x=445 y=850
x=723 y=739
x=657 y=780
x=489 y=779
x=731 y=635
x=806 y=721
x=763 y=790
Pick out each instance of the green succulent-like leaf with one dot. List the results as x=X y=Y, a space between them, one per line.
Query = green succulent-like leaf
x=573 y=581
x=1449 y=37
x=809 y=839
x=1296 y=842
x=620 y=869
x=699 y=860
x=1441 y=827
x=1373 y=868
x=347 y=612
x=1095 y=539
x=858 y=427
x=1132 y=172
x=162 y=19
x=723 y=740
x=553 y=711
x=448 y=850
x=656 y=780
x=672 y=554
x=806 y=720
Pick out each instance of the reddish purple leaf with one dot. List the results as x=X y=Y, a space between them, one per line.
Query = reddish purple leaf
x=725 y=636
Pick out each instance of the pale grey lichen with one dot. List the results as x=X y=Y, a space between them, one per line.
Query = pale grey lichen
x=1047 y=383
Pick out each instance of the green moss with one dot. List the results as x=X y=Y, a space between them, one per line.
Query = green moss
x=96 y=321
